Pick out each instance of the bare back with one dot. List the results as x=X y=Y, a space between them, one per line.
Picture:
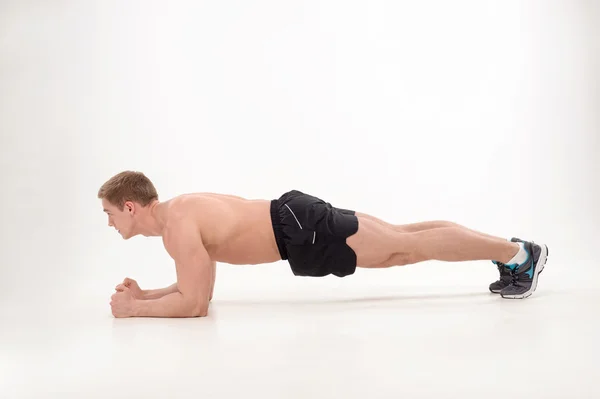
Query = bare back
x=234 y=230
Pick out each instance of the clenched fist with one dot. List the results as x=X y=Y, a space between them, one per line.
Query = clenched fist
x=133 y=286
x=122 y=303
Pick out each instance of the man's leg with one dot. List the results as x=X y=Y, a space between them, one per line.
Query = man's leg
x=505 y=278
x=380 y=244
x=416 y=227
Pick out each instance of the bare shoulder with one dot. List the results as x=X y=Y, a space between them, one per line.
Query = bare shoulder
x=181 y=233
x=186 y=215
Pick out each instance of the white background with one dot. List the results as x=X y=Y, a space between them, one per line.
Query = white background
x=484 y=113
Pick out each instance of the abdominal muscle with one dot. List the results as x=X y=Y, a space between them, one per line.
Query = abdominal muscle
x=234 y=230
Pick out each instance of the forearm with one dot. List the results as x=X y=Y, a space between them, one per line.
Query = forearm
x=159 y=293
x=170 y=305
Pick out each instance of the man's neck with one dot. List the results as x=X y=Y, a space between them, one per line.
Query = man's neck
x=153 y=222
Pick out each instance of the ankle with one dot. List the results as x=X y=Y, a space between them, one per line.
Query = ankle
x=515 y=254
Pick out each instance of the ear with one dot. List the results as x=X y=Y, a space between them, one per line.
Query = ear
x=129 y=207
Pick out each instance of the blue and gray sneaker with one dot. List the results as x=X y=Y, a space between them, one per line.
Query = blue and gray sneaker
x=505 y=274
x=525 y=276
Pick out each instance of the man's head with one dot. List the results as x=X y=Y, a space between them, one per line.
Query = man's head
x=125 y=197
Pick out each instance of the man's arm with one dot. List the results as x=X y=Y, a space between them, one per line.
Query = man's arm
x=159 y=293
x=194 y=276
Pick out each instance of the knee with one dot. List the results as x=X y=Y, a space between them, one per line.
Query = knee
x=410 y=258
x=400 y=259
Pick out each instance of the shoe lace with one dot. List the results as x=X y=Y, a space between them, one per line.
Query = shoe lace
x=505 y=272
x=514 y=277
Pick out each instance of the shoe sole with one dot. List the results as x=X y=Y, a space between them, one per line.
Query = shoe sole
x=542 y=262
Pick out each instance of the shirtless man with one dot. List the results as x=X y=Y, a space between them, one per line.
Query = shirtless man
x=315 y=238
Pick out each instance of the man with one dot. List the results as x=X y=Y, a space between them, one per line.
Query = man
x=315 y=238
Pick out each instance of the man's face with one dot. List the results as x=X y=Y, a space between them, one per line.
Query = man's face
x=121 y=220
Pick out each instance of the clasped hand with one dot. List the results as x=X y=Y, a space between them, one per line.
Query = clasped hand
x=122 y=302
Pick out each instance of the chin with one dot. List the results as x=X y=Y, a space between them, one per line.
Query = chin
x=128 y=236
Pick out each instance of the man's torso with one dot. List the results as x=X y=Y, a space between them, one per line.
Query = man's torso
x=233 y=229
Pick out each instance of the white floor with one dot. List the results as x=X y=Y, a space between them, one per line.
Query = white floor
x=378 y=334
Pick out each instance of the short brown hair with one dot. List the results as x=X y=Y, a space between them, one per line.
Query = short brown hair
x=128 y=186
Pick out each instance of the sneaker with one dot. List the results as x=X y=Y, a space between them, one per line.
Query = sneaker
x=505 y=274
x=525 y=276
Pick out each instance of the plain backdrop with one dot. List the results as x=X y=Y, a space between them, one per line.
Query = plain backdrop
x=485 y=113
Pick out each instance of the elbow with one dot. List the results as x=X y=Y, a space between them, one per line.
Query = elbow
x=194 y=306
x=200 y=312
x=199 y=309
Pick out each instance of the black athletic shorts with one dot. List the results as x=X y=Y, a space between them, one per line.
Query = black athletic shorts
x=311 y=235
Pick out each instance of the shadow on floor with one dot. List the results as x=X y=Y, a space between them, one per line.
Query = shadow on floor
x=359 y=300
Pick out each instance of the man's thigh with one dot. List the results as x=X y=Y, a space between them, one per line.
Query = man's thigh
x=411 y=227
